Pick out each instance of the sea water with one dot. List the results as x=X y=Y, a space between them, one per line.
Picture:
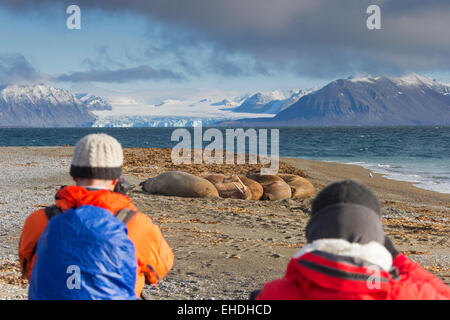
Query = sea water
x=416 y=154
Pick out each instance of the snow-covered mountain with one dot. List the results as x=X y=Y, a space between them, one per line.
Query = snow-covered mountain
x=93 y=102
x=361 y=100
x=414 y=79
x=369 y=100
x=41 y=106
x=171 y=113
x=225 y=103
x=167 y=102
x=294 y=98
x=411 y=79
x=258 y=102
x=271 y=102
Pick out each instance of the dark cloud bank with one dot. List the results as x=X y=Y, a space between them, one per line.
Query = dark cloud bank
x=120 y=75
x=14 y=68
x=311 y=37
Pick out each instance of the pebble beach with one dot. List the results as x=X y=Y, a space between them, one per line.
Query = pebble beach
x=224 y=248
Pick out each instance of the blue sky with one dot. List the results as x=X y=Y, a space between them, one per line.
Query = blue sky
x=156 y=50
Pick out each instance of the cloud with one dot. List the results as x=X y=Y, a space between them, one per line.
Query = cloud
x=314 y=38
x=142 y=72
x=103 y=60
x=15 y=69
x=195 y=57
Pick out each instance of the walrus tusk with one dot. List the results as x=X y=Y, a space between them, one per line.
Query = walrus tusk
x=238 y=188
x=242 y=184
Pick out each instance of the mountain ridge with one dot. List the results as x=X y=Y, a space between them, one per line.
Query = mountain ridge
x=368 y=100
x=40 y=105
x=271 y=102
x=356 y=100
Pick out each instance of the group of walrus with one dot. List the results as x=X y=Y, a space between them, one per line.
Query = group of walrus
x=249 y=187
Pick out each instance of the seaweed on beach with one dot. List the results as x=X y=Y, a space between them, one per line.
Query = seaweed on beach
x=151 y=162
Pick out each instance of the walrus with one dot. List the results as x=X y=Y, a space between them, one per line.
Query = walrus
x=230 y=187
x=215 y=177
x=180 y=184
x=255 y=188
x=300 y=187
x=274 y=187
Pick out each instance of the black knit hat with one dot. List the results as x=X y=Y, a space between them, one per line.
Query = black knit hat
x=346 y=210
x=347 y=191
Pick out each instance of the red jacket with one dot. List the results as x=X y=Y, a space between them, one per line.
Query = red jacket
x=154 y=256
x=317 y=276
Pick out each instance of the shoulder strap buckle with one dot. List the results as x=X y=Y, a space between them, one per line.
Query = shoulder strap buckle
x=52 y=211
x=125 y=215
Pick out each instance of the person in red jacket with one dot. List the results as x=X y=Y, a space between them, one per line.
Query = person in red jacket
x=349 y=257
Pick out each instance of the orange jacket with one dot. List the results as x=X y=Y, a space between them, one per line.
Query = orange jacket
x=153 y=254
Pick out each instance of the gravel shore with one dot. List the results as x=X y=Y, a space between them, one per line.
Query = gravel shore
x=224 y=248
x=25 y=175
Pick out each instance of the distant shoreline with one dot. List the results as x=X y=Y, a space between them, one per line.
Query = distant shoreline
x=374 y=172
x=265 y=125
x=378 y=175
x=324 y=172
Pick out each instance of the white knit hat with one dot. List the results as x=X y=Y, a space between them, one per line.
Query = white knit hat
x=97 y=156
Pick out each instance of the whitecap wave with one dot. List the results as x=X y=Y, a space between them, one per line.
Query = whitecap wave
x=421 y=178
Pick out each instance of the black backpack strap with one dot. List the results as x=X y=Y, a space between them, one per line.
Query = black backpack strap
x=125 y=215
x=52 y=211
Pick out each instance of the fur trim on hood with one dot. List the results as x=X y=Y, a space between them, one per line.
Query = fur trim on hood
x=372 y=252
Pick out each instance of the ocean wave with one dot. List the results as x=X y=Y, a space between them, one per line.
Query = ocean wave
x=432 y=186
x=421 y=179
x=441 y=177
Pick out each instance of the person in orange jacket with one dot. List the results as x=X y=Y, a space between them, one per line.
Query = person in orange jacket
x=349 y=257
x=96 y=168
